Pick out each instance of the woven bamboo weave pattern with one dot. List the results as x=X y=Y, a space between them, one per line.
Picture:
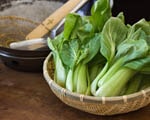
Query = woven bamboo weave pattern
x=96 y=105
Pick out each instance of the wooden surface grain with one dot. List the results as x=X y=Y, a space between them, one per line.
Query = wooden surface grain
x=26 y=96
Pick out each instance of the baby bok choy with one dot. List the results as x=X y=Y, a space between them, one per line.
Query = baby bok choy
x=125 y=55
x=77 y=50
x=60 y=72
x=100 y=55
x=77 y=46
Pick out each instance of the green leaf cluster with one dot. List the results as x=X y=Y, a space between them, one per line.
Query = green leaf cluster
x=100 y=55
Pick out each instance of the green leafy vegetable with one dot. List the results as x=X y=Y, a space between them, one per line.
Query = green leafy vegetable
x=100 y=55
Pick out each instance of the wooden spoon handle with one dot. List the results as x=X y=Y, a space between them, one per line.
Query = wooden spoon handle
x=54 y=19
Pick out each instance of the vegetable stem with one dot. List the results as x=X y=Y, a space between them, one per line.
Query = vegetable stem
x=60 y=73
x=116 y=83
x=94 y=84
x=133 y=84
x=112 y=70
x=82 y=82
x=69 y=80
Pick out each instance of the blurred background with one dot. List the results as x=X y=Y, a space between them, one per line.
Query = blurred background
x=133 y=9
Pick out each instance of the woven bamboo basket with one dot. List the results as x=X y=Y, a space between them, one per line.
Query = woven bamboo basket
x=95 y=105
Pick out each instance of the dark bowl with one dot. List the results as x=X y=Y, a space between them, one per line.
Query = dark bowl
x=22 y=60
x=26 y=64
x=23 y=53
x=15 y=29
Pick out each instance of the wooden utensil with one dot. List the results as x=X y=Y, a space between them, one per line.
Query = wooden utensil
x=54 y=19
x=34 y=40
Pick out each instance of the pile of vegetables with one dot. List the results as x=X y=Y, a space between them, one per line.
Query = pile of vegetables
x=100 y=55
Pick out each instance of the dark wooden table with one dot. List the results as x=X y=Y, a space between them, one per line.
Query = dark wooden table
x=26 y=96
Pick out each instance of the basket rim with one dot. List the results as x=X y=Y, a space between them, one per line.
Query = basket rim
x=91 y=99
